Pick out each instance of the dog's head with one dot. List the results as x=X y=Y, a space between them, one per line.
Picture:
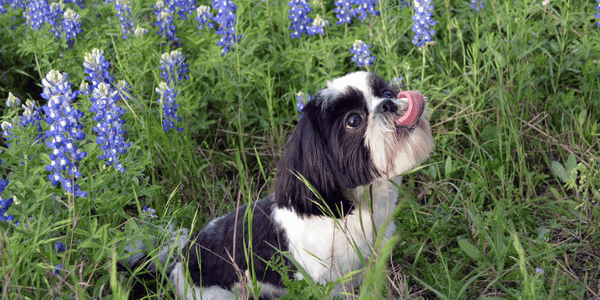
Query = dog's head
x=353 y=132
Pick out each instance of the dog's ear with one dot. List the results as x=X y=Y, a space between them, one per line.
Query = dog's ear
x=307 y=158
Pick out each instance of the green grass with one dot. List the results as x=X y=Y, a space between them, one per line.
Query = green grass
x=511 y=188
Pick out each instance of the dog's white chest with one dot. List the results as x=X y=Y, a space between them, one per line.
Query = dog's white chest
x=328 y=248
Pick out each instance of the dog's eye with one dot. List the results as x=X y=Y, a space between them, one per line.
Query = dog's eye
x=388 y=94
x=353 y=120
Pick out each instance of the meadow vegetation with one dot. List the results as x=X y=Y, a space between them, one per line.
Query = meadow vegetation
x=506 y=208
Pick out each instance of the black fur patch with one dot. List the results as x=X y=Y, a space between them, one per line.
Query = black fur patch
x=209 y=250
x=328 y=154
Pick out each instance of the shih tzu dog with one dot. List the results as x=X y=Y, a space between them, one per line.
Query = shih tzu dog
x=334 y=190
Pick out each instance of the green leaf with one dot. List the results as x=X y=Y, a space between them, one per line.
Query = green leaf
x=448 y=166
x=469 y=249
x=559 y=171
x=571 y=163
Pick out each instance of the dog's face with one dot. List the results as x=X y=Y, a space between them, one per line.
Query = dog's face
x=353 y=132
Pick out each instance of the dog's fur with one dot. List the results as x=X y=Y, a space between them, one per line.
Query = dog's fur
x=333 y=192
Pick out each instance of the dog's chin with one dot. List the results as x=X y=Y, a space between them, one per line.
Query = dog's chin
x=398 y=149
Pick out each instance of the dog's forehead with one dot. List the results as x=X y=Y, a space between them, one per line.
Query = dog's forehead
x=360 y=80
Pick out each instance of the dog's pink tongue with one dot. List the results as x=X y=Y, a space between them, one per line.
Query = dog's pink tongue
x=416 y=105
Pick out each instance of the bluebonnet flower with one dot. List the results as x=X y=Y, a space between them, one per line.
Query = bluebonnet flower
x=423 y=22
x=63 y=132
x=149 y=213
x=109 y=127
x=36 y=13
x=477 y=4
x=77 y=2
x=186 y=7
x=174 y=68
x=226 y=19
x=299 y=16
x=57 y=269
x=124 y=89
x=2 y=9
x=109 y=115
x=125 y=17
x=6 y=132
x=598 y=14
x=4 y=206
x=362 y=54
x=343 y=11
x=364 y=8
x=164 y=20
x=12 y=101
x=317 y=26
x=169 y=107
x=32 y=115
x=17 y=4
x=301 y=101
x=71 y=25
x=204 y=16
x=60 y=247
x=4 y=203
x=140 y=31
x=396 y=81
x=60 y=21
x=55 y=11
x=96 y=66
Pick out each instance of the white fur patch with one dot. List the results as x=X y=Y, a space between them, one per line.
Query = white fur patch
x=325 y=247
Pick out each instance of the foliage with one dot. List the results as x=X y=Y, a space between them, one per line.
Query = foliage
x=507 y=207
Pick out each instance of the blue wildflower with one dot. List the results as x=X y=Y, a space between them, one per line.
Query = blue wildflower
x=36 y=13
x=299 y=16
x=185 y=7
x=539 y=271
x=12 y=101
x=423 y=22
x=169 y=107
x=109 y=115
x=4 y=205
x=71 y=26
x=61 y=23
x=124 y=89
x=32 y=115
x=396 y=81
x=125 y=17
x=164 y=20
x=64 y=130
x=60 y=247
x=477 y=4
x=97 y=69
x=140 y=31
x=343 y=11
x=204 y=16
x=77 y=2
x=149 y=213
x=57 y=269
x=109 y=127
x=364 y=8
x=174 y=68
x=317 y=26
x=598 y=14
x=301 y=101
x=362 y=54
x=6 y=132
x=226 y=19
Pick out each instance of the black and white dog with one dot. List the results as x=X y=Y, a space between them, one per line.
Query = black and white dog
x=333 y=193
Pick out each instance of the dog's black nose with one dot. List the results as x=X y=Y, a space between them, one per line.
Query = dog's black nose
x=387 y=106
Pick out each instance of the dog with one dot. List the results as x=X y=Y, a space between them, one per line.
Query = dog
x=334 y=188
